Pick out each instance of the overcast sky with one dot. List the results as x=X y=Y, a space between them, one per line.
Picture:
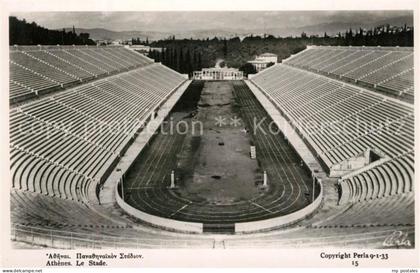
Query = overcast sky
x=182 y=21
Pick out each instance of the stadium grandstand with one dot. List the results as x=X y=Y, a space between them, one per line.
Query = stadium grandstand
x=384 y=69
x=38 y=70
x=91 y=164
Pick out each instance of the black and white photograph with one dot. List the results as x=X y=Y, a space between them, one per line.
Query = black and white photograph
x=209 y=129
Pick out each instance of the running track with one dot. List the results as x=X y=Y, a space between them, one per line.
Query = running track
x=146 y=185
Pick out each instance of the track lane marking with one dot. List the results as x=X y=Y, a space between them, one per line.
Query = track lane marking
x=183 y=207
x=258 y=205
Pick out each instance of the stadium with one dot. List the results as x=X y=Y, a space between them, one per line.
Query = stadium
x=109 y=148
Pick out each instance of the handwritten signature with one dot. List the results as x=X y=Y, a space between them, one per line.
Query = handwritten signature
x=397 y=238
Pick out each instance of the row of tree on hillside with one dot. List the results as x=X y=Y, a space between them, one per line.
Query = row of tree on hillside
x=384 y=35
x=137 y=41
x=181 y=59
x=236 y=52
x=24 y=33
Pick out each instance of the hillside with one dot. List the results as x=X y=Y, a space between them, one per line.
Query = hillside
x=331 y=29
x=188 y=55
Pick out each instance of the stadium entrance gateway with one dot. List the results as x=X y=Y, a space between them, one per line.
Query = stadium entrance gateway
x=218 y=74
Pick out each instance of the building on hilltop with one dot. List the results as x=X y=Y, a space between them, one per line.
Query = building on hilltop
x=262 y=61
x=143 y=49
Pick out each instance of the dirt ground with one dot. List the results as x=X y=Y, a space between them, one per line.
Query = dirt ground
x=216 y=166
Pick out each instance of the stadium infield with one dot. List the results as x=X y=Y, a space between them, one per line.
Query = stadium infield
x=217 y=183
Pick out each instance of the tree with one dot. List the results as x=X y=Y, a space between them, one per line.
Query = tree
x=169 y=58
x=188 y=63
x=225 y=48
x=24 y=33
x=163 y=55
x=175 y=63
x=84 y=37
x=248 y=68
x=181 y=61
x=199 y=62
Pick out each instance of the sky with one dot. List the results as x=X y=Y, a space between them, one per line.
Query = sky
x=185 y=21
